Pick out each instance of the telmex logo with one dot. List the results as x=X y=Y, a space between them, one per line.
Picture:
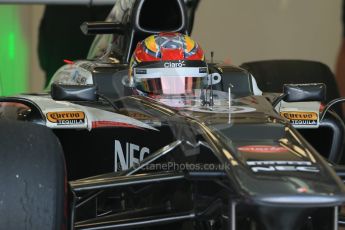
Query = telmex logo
x=299 y=115
x=56 y=117
x=262 y=149
x=282 y=166
x=174 y=64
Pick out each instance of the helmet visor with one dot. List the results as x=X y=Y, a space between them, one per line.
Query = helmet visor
x=170 y=81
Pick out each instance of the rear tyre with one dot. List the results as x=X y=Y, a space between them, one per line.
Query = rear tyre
x=32 y=176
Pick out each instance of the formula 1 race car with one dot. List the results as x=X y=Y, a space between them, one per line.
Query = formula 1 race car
x=90 y=154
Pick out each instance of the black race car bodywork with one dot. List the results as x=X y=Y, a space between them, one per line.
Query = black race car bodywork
x=227 y=157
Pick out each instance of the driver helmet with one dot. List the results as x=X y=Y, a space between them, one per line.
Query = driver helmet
x=168 y=63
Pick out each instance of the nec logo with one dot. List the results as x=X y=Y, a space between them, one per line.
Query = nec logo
x=174 y=64
x=128 y=155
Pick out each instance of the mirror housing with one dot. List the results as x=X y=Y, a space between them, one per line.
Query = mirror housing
x=304 y=92
x=94 y=28
x=61 y=92
x=214 y=78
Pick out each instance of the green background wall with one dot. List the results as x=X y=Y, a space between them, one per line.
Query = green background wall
x=13 y=52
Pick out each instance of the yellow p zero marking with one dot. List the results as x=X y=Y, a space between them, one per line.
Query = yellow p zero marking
x=55 y=117
x=294 y=115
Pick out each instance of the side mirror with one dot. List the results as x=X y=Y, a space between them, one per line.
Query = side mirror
x=62 y=92
x=304 y=92
x=214 y=78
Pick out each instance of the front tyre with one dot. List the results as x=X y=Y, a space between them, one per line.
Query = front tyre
x=32 y=177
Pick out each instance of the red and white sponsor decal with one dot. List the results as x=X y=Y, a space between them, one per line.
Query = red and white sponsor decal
x=302 y=190
x=100 y=124
x=262 y=149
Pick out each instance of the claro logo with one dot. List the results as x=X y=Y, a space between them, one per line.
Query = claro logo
x=128 y=155
x=174 y=64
